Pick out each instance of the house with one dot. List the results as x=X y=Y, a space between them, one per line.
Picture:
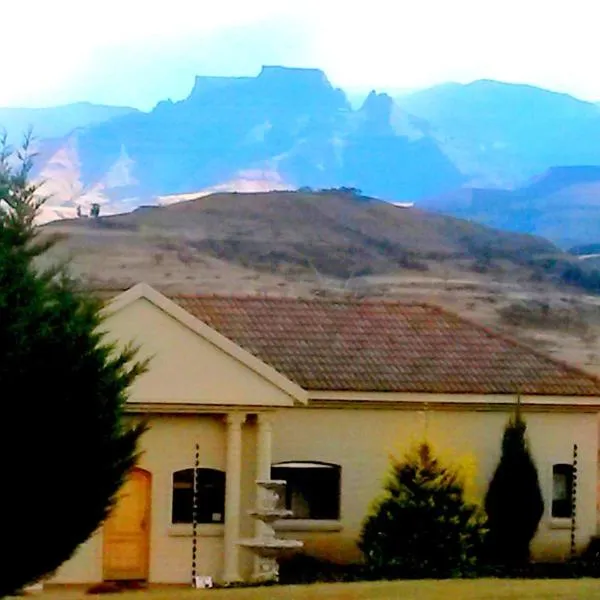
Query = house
x=320 y=393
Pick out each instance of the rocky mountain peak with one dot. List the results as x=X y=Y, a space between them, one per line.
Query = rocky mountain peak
x=204 y=84
x=378 y=103
x=301 y=87
x=294 y=76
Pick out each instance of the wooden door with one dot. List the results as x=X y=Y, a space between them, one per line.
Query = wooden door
x=127 y=531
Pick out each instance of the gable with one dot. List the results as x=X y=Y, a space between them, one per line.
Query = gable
x=186 y=367
x=384 y=346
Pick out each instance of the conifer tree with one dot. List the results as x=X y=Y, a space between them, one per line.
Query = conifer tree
x=65 y=447
x=423 y=526
x=514 y=502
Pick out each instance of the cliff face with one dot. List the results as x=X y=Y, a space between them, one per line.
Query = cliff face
x=290 y=123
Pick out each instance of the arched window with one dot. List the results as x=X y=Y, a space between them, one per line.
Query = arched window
x=562 y=491
x=210 y=504
x=313 y=489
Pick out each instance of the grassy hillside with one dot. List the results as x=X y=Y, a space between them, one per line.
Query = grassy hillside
x=288 y=243
x=339 y=235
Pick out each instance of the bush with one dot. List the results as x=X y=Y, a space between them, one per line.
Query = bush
x=303 y=568
x=514 y=502
x=423 y=527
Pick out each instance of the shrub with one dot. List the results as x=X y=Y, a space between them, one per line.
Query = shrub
x=514 y=502
x=423 y=526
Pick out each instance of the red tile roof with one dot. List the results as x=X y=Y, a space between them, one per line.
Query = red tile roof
x=384 y=346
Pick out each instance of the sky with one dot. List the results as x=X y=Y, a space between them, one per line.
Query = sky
x=134 y=52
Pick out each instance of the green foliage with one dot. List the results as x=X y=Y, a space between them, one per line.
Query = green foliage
x=423 y=527
x=514 y=502
x=65 y=447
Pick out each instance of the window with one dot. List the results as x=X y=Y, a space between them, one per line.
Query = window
x=210 y=496
x=562 y=491
x=312 y=490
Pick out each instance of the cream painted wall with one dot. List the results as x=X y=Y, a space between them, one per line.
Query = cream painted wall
x=361 y=441
x=167 y=447
x=85 y=566
x=185 y=367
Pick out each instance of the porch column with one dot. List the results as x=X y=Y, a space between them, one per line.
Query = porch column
x=233 y=496
x=263 y=458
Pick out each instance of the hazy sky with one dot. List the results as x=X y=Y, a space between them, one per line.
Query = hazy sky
x=139 y=51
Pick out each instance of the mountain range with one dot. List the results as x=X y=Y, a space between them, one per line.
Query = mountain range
x=502 y=134
x=483 y=151
x=56 y=121
x=562 y=205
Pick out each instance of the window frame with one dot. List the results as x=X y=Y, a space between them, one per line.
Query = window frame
x=568 y=472
x=329 y=522
x=220 y=477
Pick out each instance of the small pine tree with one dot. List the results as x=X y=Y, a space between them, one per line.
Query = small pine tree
x=65 y=448
x=423 y=527
x=514 y=502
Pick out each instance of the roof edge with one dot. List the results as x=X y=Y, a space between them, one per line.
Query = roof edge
x=144 y=291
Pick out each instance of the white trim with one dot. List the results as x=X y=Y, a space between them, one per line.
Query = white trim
x=202 y=530
x=146 y=292
x=556 y=523
x=586 y=403
x=298 y=464
x=308 y=525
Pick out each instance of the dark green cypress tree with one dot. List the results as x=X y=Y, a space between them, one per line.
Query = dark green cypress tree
x=65 y=448
x=514 y=502
x=423 y=527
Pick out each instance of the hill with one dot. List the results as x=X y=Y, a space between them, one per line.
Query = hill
x=336 y=234
x=562 y=205
x=286 y=243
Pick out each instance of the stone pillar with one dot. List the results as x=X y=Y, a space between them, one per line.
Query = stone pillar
x=233 y=493
x=264 y=445
x=263 y=459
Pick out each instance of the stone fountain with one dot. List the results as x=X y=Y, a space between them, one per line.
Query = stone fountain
x=266 y=547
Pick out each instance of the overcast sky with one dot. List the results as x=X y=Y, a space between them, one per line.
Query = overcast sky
x=137 y=52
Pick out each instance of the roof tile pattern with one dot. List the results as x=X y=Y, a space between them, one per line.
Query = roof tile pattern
x=383 y=346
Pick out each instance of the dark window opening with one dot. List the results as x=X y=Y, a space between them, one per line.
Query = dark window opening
x=312 y=490
x=562 y=491
x=210 y=503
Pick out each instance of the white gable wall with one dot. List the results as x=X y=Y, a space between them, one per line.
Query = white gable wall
x=187 y=368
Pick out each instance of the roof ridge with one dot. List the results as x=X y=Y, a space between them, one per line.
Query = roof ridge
x=278 y=298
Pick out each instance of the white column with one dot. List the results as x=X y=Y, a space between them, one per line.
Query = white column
x=264 y=438
x=233 y=489
x=263 y=458
x=264 y=445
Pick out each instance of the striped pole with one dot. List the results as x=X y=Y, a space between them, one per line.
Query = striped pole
x=195 y=516
x=574 y=503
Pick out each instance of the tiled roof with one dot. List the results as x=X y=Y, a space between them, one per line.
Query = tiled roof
x=383 y=346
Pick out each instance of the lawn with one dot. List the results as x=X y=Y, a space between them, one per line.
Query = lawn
x=480 y=589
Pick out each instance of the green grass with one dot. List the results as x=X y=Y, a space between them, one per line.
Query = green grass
x=481 y=589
